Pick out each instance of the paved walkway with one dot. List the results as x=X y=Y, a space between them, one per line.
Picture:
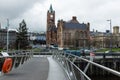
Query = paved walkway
x=55 y=71
x=35 y=69
x=39 y=68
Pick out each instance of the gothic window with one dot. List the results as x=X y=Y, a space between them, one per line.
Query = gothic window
x=77 y=34
x=81 y=34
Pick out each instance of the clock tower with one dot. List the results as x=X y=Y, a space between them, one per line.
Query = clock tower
x=51 y=32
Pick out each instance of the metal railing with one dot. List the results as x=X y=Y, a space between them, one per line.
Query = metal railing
x=18 y=58
x=67 y=61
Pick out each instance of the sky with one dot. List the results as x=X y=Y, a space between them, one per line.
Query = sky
x=34 y=12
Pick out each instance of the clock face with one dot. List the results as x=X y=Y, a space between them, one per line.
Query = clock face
x=51 y=16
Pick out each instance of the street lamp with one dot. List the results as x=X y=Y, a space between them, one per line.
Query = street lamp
x=7 y=34
x=110 y=34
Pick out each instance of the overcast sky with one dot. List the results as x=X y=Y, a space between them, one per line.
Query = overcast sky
x=34 y=12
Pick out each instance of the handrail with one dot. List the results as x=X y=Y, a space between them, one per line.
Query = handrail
x=60 y=56
x=18 y=59
x=98 y=65
x=68 y=56
x=14 y=56
x=80 y=70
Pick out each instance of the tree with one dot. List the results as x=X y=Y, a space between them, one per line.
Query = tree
x=22 y=38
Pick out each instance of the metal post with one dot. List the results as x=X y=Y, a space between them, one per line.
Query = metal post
x=110 y=34
x=7 y=34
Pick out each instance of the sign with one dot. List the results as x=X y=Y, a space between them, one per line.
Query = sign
x=92 y=54
x=5 y=54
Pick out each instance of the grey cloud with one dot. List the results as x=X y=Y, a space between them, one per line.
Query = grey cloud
x=94 y=11
x=14 y=8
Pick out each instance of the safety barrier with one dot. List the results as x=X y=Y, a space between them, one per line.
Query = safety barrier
x=73 y=71
x=16 y=58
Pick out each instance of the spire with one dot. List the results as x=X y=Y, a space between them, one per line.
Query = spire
x=51 y=9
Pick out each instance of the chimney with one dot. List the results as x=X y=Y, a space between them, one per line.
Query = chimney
x=74 y=18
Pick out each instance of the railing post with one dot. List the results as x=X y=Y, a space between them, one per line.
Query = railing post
x=73 y=72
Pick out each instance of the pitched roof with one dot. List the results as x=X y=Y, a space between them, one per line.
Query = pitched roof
x=74 y=24
x=70 y=25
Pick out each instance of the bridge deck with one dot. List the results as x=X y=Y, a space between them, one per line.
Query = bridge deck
x=39 y=68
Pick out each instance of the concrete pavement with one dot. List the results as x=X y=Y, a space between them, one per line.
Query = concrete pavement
x=38 y=68
x=34 y=69
x=55 y=71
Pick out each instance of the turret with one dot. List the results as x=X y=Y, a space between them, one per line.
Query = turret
x=116 y=29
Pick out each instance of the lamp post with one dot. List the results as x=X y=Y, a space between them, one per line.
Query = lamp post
x=110 y=34
x=7 y=34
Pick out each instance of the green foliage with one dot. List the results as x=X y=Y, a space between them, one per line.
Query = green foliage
x=22 y=38
x=108 y=49
x=36 y=50
x=116 y=49
x=102 y=50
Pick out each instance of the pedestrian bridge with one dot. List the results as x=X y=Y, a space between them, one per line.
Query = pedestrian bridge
x=58 y=66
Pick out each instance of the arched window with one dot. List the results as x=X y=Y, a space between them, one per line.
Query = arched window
x=81 y=34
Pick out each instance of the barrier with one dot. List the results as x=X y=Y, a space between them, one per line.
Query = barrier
x=17 y=58
x=73 y=71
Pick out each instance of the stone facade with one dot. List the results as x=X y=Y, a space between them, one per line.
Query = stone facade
x=3 y=38
x=104 y=39
x=67 y=34
x=99 y=39
x=51 y=33
x=72 y=34
x=116 y=37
